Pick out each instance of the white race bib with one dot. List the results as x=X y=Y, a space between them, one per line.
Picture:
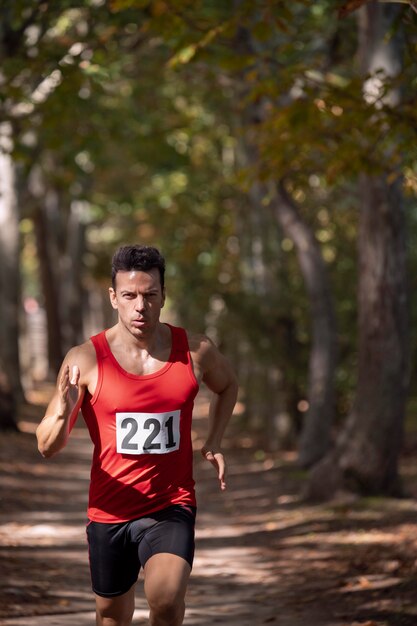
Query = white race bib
x=148 y=433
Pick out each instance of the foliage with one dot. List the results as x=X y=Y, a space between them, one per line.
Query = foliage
x=138 y=109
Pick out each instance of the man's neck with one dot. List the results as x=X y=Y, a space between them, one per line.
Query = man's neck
x=148 y=342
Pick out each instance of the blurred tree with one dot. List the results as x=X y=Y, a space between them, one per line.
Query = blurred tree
x=53 y=106
x=316 y=430
x=7 y=401
x=315 y=437
x=367 y=451
x=27 y=79
x=9 y=264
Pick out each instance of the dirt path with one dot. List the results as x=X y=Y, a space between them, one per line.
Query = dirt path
x=262 y=557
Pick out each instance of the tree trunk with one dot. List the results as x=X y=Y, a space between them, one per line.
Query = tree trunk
x=49 y=291
x=315 y=434
x=7 y=402
x=9 y=266
x=367 y=451
x=72 y=287
x=372 y=442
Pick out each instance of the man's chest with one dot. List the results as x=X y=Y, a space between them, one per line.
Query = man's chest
x=141 y=365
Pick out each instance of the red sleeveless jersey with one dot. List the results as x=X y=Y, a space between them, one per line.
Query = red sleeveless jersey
x=141 y=430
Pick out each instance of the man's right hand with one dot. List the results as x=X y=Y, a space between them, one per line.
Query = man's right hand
x=68 y=390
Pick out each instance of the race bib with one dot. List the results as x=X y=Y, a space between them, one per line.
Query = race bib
x=148 y=433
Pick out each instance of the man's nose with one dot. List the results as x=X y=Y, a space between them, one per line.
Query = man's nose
x=140 y=303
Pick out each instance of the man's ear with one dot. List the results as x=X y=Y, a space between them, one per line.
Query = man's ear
x=113 y=299
x=163 y=297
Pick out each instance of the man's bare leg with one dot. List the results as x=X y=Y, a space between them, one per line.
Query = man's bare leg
x=166 y=579
x=117 y=611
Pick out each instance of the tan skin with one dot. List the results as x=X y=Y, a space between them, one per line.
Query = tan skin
x=142 y=345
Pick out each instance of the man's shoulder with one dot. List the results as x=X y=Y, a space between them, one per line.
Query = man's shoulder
x=198 y=342
x=84 y=351
x=203 y=350
x=84 y=357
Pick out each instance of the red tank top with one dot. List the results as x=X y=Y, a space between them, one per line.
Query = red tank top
x=141 y=430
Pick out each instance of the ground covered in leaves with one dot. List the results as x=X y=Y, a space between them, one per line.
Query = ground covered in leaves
x=263 y=556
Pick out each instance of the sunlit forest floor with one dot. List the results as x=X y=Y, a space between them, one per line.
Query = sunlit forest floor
x=263 y=556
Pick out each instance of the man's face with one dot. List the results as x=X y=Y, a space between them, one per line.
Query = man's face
x=138 y=298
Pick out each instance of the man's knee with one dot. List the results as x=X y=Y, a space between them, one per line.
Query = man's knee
x=110 y=617
x=116 y=611
x=167 y=608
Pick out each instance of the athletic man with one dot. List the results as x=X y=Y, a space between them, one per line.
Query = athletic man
x=135 y=384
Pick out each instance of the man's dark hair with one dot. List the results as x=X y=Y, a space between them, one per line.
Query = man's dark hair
x=140 y=258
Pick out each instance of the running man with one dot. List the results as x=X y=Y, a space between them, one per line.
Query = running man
x=135 y=384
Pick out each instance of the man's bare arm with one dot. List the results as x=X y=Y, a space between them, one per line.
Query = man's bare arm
x=53 y=431
x=220 y=378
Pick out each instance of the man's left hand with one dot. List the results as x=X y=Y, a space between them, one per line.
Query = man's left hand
x=216 y=458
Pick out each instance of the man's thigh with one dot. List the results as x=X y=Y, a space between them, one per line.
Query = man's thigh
x=114 y=561
x=166 y=579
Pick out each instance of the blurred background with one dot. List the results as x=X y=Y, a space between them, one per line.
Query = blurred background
x=269 y=150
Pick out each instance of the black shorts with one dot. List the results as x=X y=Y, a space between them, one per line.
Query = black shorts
x=118 y=551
